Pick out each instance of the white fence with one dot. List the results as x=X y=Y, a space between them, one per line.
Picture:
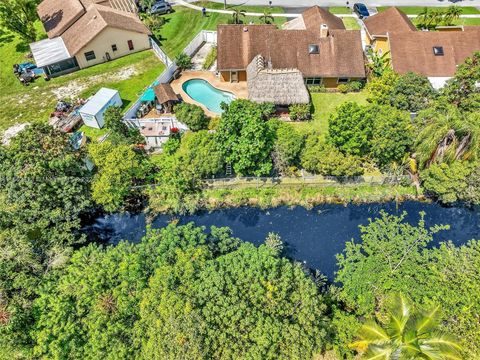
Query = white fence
x=166 y=76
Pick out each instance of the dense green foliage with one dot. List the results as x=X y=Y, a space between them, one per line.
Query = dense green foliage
x=180 y=293
x=382 y=132
x=183 y=61
x=118 y=169
x=192 y=116
x=119 y=132
x=394 y=257
x=287 y=149
x=245 y=139
x=19 y=16
x=299 y=112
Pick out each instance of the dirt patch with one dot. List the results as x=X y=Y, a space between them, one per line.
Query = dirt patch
x=76 y=87
x=11 y=132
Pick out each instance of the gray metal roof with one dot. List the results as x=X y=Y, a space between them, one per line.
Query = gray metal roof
x=98 y=101
x=49 y=51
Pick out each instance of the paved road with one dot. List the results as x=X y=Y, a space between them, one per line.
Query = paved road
x=307 y=3
x=290 y=13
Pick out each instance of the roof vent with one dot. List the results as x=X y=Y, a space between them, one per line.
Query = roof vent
x=323 y=30
x=245 y=29
x=438 y=50
x=313 y=49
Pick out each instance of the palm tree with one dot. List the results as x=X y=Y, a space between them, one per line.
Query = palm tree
x=408 y=335
x=422 y=17
x=236 y=16
x=267 y=17
x=452 y=14
x=446 y=135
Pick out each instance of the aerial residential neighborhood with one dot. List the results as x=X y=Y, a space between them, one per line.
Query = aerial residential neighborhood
x=240 y=179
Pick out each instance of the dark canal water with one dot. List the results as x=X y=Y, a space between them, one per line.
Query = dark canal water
x=312 y=236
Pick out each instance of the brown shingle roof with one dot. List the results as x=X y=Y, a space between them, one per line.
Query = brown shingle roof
x=58 y=15
x=340 y=53
x=316 y=16
x=414 y=51
x=164 y=93
x=390 y=20
x=95 y=20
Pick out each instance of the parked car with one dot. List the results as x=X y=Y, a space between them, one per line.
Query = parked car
x=361 y=10
x=161 y=8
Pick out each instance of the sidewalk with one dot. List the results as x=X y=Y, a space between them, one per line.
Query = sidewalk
x=285 y=15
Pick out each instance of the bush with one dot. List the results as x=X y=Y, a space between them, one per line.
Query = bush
x=184 y=61
x=355 y=86
x=210 y=59
x=192 y=116
x=343 y=88
x=299 y=112
x=317 y=89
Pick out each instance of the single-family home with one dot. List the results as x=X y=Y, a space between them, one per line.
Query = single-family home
x=82 y=33
x=278 y=64
x=435 y=54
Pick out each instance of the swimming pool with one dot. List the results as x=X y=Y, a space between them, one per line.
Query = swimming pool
x=203 y=92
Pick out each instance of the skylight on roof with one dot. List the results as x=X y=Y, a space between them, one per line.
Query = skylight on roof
x=313 y=49
x=438 y=50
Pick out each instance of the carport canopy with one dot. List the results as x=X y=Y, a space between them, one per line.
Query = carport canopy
x=49 y=51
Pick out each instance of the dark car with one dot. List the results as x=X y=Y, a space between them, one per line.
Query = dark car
x=361 y=10
x=161 y=8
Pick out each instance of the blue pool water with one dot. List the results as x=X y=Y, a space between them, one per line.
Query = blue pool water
x=204 y=93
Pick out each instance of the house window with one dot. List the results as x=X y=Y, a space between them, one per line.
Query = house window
x=313 y=81
x=130 y=44
x=114 y=47
x=342 y=80
x=438 y=50
x=90 y=55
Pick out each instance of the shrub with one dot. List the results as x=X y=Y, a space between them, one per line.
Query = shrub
x=184 y=61
x=343 y=88
x=355 y=85
x=210 y=59
x=192 y=116
x=299 y=112
x=317 y=89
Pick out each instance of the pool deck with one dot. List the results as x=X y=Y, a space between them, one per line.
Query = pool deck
x=238 y=89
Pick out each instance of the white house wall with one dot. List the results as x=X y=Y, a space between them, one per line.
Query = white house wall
x=103 y=42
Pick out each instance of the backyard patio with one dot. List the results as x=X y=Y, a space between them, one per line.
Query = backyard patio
x=239 y=90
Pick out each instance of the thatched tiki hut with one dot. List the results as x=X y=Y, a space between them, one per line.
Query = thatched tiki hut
x=166 y=97
x=282 y=87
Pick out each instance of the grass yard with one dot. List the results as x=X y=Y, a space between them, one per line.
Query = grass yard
x=185 y=23
x=351 y=23
x=415 y=10
x=19 y=104
x=324 y=104
x=340 y=10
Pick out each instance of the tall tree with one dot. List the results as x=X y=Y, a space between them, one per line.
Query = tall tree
x=120 y=133
x=237 y=15
x=245 y=139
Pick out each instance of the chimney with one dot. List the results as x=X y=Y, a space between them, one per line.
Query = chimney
x=323 y=30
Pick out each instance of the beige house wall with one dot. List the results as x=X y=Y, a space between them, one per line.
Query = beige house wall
x=102 y=44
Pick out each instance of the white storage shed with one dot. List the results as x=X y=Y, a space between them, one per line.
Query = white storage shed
x=92 y=111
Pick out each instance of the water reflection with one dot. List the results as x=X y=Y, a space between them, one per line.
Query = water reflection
x=312 y=236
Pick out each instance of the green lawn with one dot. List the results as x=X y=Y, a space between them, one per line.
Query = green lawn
x=340 y=10
x=324 y=104
x=184 y=24
x=351 y=23
x=19 y=104
x=414 y=10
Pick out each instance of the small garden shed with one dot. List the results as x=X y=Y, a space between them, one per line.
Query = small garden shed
x=92 y=112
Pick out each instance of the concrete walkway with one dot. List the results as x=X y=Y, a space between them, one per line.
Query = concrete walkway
x=286 y=15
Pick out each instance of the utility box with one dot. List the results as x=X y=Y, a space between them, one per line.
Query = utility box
x=92 y=112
